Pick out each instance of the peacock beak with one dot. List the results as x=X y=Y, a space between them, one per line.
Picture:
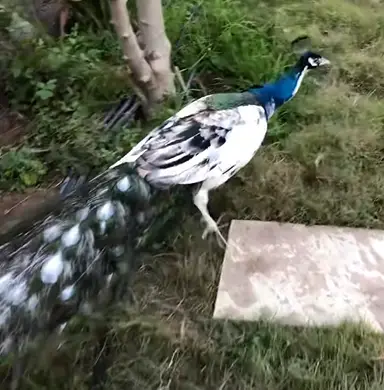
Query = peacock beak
x=323 y=61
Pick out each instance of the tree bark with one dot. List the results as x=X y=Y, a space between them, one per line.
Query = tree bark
x=148 y=60
x=132 y=54
x=157 y=48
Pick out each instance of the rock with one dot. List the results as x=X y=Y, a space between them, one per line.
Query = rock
x=302 y=275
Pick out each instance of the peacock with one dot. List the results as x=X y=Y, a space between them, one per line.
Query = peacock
x=211 y=139
x=80 y=255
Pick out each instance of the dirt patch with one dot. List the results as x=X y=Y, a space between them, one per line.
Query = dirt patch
x=17 y=209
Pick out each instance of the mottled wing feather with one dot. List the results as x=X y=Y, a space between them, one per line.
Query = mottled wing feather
x=188 y=137
x=186 y=150
x=207 y=137
x=189 y=110
x=211 y=103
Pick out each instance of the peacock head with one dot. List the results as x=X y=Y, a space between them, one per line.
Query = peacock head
x=308 y=59
x=311 y=60
x=274 y=94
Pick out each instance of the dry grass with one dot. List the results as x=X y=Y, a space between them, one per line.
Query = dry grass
x=321 y=164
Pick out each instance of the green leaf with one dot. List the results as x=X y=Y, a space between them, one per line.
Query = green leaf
x=44 y=94
x=29 y=178
x=52 y=83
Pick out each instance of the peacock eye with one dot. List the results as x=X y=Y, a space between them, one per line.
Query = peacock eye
x=313 y=61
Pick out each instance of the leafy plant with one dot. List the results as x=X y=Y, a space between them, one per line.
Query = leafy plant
x=76 y=69
x=20 y=168
x=46 y=90
x=64 y=87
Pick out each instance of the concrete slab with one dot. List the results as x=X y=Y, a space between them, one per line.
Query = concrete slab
x=301 y=275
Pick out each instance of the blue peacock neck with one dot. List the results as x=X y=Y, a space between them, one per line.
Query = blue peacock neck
x=273 y=95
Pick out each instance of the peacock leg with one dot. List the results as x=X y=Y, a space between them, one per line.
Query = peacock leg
x=201 y=202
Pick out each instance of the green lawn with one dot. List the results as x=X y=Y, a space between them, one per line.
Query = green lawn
x=321 y=164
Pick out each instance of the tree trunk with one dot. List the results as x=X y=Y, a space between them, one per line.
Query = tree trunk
x=149 y=61
x=157 y=48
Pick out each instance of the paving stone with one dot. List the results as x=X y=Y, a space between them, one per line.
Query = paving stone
x=302 y=275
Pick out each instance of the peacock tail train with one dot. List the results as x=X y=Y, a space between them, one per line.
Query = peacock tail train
x=72 y=259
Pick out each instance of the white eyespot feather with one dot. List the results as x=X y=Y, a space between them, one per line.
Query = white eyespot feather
x=52 y=268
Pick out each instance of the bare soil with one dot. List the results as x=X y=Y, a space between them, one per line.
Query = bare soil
x=15 y=208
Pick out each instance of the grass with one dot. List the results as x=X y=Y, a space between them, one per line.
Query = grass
x=321 y=164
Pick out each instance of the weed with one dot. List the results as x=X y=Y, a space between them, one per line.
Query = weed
x=20 y=166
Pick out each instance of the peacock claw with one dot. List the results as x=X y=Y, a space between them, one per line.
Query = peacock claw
x=222 y=242
x=214 y=229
